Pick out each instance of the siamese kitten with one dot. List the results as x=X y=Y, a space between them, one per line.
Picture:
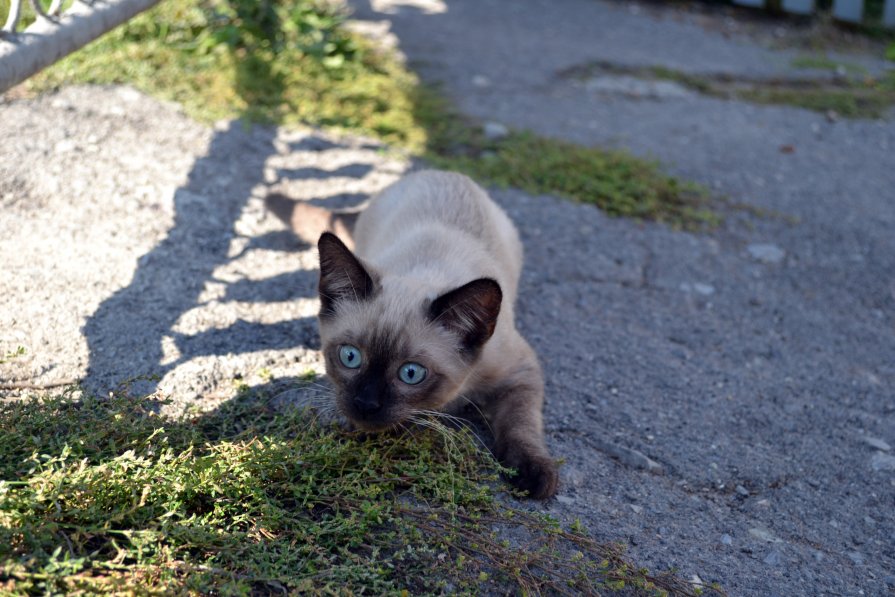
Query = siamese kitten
x=419 y=316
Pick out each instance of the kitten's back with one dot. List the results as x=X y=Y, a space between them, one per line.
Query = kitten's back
x=442 y=221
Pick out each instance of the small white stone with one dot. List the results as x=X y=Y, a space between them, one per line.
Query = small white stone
x=766 y=253
x=877 y=443
x=882 y=462
x=704 y=289
x=481 y=81
x=129 y=94
x=564 y=499
x=495 y=130
x=65 y=146
x=764 y=535
x=636 y=509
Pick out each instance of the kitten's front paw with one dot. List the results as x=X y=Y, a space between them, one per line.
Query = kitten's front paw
x=537 y=474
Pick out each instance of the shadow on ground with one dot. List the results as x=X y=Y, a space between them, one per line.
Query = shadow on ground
x=215 y=286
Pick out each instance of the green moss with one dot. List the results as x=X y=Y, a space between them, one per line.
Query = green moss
x=865 y=97
x=821 y=62
x=104 y=496
x=849 y=103
x=615 y=181
x=174 y=53
x=853 y=97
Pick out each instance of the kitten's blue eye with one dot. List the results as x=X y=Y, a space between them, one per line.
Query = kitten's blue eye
x=350 y=356
x=412 y=373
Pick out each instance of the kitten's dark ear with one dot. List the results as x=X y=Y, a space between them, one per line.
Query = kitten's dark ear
x=342 y=275
x=469 y=311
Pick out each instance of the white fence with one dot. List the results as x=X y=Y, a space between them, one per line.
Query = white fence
x=52 y=35
x=851 y=11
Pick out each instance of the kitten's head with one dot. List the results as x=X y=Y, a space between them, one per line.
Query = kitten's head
x=391 y=353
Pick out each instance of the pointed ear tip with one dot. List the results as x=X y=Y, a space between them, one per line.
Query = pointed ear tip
x=330 y=240
x=491 y=285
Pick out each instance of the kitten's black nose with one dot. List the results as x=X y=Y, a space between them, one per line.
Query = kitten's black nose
x=368 y=401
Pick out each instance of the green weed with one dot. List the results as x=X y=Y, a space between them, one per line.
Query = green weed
x=12 y=354
x=821 y=62
x=849 y=97
x=105 y=496
x=615 y=181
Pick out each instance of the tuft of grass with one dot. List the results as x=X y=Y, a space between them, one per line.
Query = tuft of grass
x=291 y=65
x=852 y=101
x=821 y=62
x=849 y=97
x=615 y=181
x=105 y=496
x=12 y=354
x=219 y=65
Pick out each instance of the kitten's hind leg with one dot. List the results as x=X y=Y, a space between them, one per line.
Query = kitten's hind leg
x=516 y=418
x=310 y=221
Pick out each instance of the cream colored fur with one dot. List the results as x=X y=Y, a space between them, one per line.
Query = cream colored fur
x=424 y=236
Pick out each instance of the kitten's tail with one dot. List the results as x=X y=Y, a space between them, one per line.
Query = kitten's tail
x=308 y=221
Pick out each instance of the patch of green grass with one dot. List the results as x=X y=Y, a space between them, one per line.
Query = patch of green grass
x=853 y=102
x=821 y=62
x=177 y=52
x=866 y=97
x=216 y=65
x=615 y=181
x=12 y=354
x=854 y=97
x=104 y=496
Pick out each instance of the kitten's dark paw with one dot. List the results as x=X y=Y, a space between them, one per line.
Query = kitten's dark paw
x=536 y=474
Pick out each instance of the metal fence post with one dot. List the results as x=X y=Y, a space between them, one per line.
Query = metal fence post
x=50 y=38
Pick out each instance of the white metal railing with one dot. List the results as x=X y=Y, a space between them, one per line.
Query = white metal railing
x=53 y=35
x=851 y=11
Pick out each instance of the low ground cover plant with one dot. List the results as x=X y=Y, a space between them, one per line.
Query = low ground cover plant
x=105 y=496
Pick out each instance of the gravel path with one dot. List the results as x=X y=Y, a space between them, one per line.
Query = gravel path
x=724 y=402
x=125 y=258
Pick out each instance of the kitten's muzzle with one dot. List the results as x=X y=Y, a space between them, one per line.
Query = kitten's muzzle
x=368 y=401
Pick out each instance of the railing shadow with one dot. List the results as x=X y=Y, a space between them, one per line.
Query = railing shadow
x=124 y=335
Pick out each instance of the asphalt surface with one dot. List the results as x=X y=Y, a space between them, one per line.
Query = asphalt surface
x=723 y=401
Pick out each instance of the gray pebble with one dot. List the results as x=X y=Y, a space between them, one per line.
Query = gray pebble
x=726 y=539
x=764 y=535
x=495 y=130
x=564 y=499
x=573 y=476
x=481 y=81
x=856 y=557
x=774 y=558
x=875 y=442
x=742 y=491
x=766 y=253
x=882 y=462
x=704 y=289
